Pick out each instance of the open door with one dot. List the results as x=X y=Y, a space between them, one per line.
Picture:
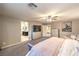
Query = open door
x=24 y=31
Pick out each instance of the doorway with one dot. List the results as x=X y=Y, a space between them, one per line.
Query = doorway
x=46 y=32
x=24 y=31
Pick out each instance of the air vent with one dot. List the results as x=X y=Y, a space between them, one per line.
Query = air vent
x=32 y=5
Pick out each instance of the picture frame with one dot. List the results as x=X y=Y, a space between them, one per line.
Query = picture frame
x=67 y=26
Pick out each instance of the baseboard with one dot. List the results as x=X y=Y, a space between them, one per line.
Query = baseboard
x=36 y=38
x=11 y=45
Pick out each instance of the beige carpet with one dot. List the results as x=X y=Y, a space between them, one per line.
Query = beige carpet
x=19 y=50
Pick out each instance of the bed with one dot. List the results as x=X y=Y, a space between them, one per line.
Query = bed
x=55 y=47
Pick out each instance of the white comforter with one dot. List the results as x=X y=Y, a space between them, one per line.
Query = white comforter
x=55 y=46
x=69 y=48
x=48 y=47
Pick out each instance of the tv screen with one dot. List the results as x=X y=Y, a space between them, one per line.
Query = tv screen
x=25 y=33
x=36 y=28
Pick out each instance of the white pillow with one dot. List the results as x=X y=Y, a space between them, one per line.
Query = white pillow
x=73 y=36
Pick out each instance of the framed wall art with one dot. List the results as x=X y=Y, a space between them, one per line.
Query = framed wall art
x=67 y=26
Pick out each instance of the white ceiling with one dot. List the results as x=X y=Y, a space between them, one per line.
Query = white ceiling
x=64 y=11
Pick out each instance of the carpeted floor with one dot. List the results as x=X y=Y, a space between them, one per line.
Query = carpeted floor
x=19 y=50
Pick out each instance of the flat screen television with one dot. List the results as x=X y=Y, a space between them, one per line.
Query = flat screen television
x=25 y=33
x=36 y=28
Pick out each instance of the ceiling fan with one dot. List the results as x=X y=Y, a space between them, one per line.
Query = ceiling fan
x=47 y=18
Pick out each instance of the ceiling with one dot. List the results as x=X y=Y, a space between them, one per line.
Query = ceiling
x=64 y=11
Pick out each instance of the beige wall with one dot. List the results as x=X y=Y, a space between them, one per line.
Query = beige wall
x=75 y=28
x=11 y=31
x=0 y=32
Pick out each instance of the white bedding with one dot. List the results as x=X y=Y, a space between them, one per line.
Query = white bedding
x=69 y=48
x=48 y=47
x=55 y=47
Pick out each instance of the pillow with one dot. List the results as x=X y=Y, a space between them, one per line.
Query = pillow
x=73 y=36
